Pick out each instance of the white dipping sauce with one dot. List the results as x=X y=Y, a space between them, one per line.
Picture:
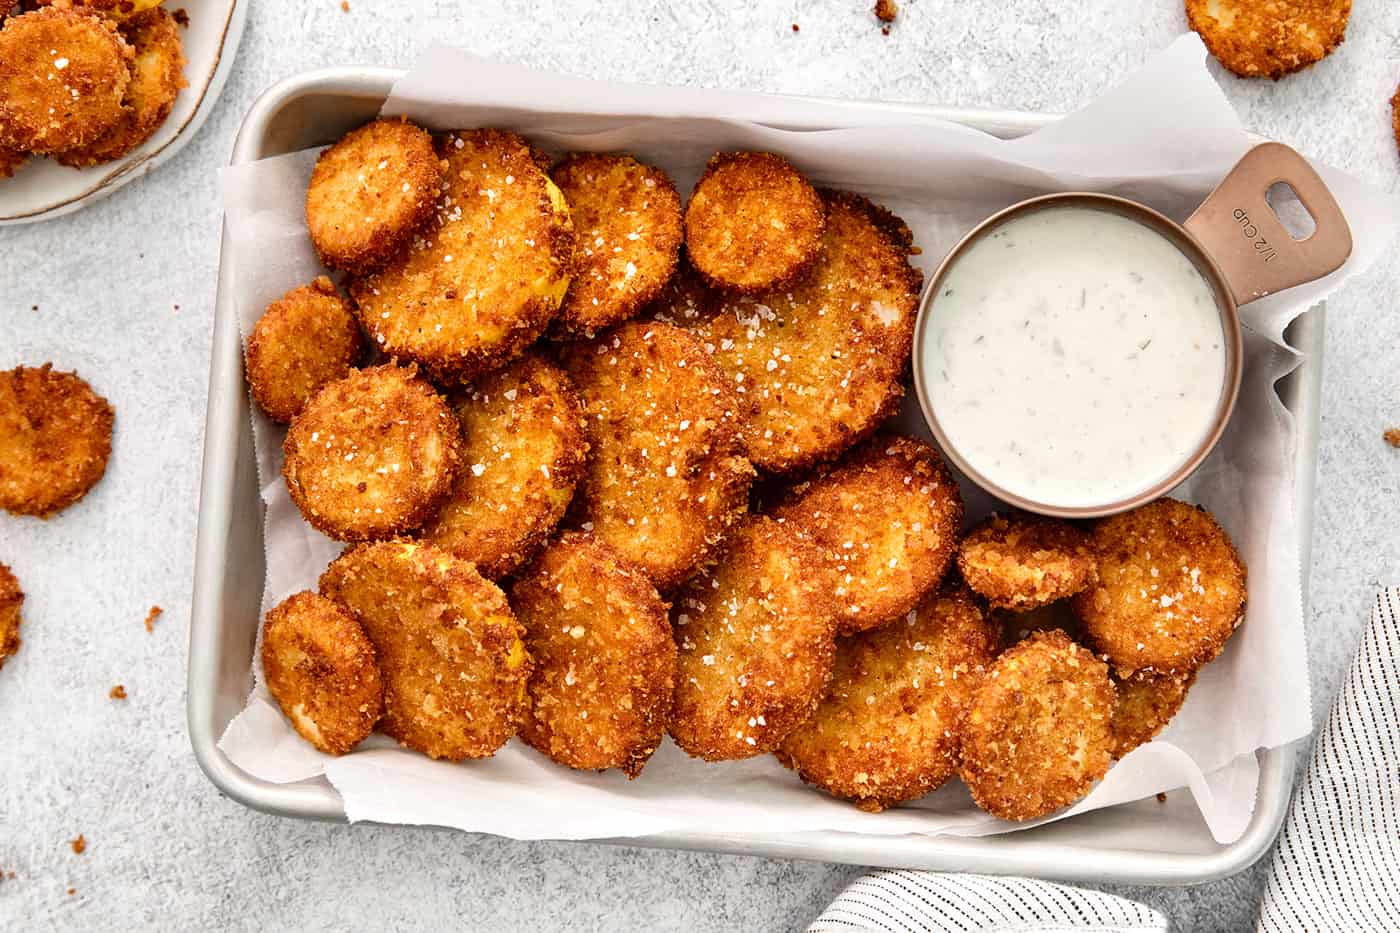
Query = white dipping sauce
x=1074 y=356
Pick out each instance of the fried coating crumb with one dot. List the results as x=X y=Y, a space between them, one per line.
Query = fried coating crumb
x=11 y=161
x=304 y=341
x=668 y=476
x=888 y=729
x=370 y=193
x=117 y=693
x=1023 y=562
x=157 y=75
x=488 y=273
x=55 y=438
x=345 y=6
x=151 y=618
x=1269 y=38
x=1392 y=437
x=62 y=77
x=756 y=635
x=116 y=10
x=11 y=601
x=753 y=222
x=372 y=455
x=886 y=10
x=886 y=521
x=451 y=653
x=605 y=662
x=526 y=449
x=627 y=236
x=79 y=845
x=1145 y=705
x=1039 y=732
x=1171 y=589
x=321 y=669
x=819 y=365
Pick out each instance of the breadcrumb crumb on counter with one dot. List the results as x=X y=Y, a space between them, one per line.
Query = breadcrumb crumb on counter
x=117 y=693
x=886 y=10
x=151 y=618
x=79 y=845
x=1392 y=437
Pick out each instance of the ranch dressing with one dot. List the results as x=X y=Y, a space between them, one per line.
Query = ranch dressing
x=1074 y=356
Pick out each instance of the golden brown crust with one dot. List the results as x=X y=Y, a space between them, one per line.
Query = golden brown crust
x=756 y=637
x=1022 y=562
x=1170 y=592
x=372 y=455
x=117 y=10
x=11 y=161
x=55 y=438
x=1395 y=125
x=321 y=669
x=604 y=659
x=370 y=193
x=886 y=521
x=888 y=728
x=627 y=235
x=668 y=476
x=62 y=77
x=157 y=75
x=306 y=340
x=488 y=273
x=451 y=653
x=526 y=449
x=819 y=365
x=753 y=222
x=11 y=600
x=1039 y=732
x=1269 y=38
x=1145 y=705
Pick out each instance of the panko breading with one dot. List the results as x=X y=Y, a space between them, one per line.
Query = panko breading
x=451 y=653
x=487 y=275
x=819 y=365
x=118 y=10
x=372 y=455
x=667 y=476
x=11 y=600
x=627 y=235
x=55 y=438
x=157 y=75
x=1023 y=562
x=321 y=669
x=1171 y=589
x=886 y=520
x=1039 y=731
x=11 y=161
x=62 y=77
x=888 y=729
x=1145 y=705
x=1395 y=122
x=1269 y=38
x=604 y=659
x=304 y=341
x=756 y=635
x=370 y=193
x=525 y=451
x=753 y=222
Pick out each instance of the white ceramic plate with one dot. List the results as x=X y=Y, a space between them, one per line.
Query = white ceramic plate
x=43 y=188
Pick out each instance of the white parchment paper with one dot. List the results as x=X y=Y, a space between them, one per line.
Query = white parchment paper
x=1166 y=136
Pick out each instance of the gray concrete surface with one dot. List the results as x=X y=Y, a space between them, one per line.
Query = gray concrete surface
x=125 y=293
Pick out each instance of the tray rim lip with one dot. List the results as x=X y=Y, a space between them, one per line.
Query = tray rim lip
x=318 y=800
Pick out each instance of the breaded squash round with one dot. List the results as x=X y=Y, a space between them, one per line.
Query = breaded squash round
x=604 y=659
x=304 y=341
x=372 y=455
x=157 y=75
x=118 y=10
x=321 y=669
x=526 y=447
x=886 y=520
x=627 y=235
x=451 y=653
x=11 y=161
x=11 y=600
x=488 y=273
x=667 y=477
x=756 y=634
x=1269 y=38
x=1145 y=705
x=1170 y=592
x=55 y=438
x=370 y=193
x=753 y=222
x=819 y=365
x=888 y=729
x=1039 y=731
x=1022 y=562
x=62 y=77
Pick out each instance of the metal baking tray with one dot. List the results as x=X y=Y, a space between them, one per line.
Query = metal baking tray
x=1146 y=842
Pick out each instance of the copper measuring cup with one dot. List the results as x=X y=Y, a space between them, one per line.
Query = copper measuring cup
x=1237 y=243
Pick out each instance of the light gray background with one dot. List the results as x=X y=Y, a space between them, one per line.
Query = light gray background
x=125 y=294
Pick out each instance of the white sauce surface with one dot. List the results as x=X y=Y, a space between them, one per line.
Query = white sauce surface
x=1074 y=356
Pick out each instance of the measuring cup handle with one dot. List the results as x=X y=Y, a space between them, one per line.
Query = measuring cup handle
x=1244 y=236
